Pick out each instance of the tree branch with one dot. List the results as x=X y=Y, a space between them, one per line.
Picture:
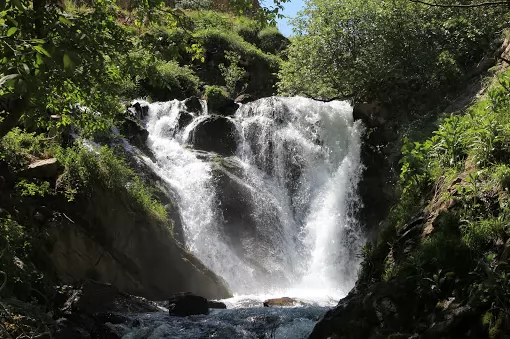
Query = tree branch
x=490 y=3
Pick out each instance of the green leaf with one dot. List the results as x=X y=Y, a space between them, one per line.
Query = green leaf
x=39 y=59
x=41 y=50
x=2 y=5
x=6 y=78
x=11 y=31
x=26 y=69
x=68 y=63
x=65 y=21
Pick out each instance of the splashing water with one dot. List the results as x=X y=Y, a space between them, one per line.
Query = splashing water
x=297 y=167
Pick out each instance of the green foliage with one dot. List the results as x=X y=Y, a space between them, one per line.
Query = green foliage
x=217 y=39
x=168 y=80
x=394 y=51
x=84 y=168
x=215 y=96
x=194 y=4
x=458 y=180
x=18 y=148
x=233 y=74
x=19 y=246
x=33 y=188
x=61 y=61
x=271 y=40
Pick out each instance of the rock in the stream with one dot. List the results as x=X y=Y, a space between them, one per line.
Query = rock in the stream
x=193 y=105
x=244 y=99
x=215 y=134
x=184 y=119
x=88 y=309
x=222 y=106
x=281 y=302
x=185 y=304
x=216 y=304
x=139 y=110
x=134 y=131
x=42 y=169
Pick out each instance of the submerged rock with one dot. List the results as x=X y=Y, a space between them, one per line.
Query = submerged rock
x=186 y=304
x=215 y=134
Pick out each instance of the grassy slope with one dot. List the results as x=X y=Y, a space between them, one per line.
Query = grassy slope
x=455 y=193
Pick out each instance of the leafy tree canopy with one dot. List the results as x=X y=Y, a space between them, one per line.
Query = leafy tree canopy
x=386 y=50
x=65 y=67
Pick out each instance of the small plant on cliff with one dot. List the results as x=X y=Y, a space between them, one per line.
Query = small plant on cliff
x=233 y=74
x=85 y=168
x=215 y=96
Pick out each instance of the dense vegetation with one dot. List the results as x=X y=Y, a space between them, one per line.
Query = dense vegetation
x=446 y=239
x=396 y=52
x=68 y=69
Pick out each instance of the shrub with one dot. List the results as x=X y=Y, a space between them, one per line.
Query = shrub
x=211 y=20
x=168 y=80
x=18 y=148
x=248 y=29
x=216 y=39
x=270 y=40
x=83 y=168
x=233 y=74
x=215 y=97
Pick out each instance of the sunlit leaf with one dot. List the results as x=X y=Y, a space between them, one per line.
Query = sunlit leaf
x=41 y=50
x=11 y=31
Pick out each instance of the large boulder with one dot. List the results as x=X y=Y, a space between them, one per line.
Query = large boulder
x=184 y=119
x=186 y=304
x=107 y=238
x=250 y=219
x=84 y=312
x=193 y=105
x=42 y=169
x=215 y=134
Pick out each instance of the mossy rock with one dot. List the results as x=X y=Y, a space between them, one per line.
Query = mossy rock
x=218 y=101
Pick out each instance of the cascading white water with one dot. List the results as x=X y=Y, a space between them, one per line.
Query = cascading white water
x=297 y=166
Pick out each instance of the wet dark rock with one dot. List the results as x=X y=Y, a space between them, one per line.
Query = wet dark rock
x=89 y=309
x=103 y=237
x=134 y=131
x=216 y=305
x=222 y=106
x=193 y=105
x=184 y=119
x=244 y=99
x=42 y=169
x=139 y=110
x=186 y=304
x=215 y=134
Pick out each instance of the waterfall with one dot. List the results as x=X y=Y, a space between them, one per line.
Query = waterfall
x=278 y=212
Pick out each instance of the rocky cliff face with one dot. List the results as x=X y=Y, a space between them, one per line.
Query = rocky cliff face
x=105 y=238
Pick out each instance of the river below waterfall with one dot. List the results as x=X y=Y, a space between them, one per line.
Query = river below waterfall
x=267 y=199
